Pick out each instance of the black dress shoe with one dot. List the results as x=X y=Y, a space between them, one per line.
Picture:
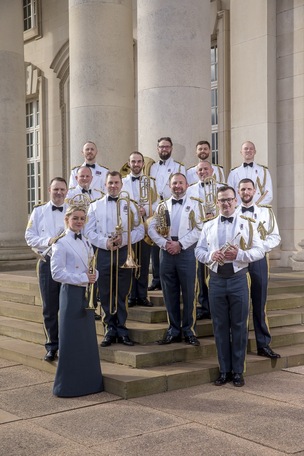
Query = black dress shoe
x=268 y=353
x=50 y=356
x=192 y=340
x=169 y=339
x=154 y=287
x=238 y=380
x=132 y=302
x=108 y=340
x=225 y=377
x=144 y=302
x=97 y=316
x=126 y=341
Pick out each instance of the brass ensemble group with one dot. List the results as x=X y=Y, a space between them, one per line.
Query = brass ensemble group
x=205 y=239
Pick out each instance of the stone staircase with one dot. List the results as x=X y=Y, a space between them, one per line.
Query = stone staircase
x=148 y=368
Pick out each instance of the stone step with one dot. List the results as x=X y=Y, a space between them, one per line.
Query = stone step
x=20 y=282
x=17 y=315
x=130 y=383
x=20 y=295
x=23 y=330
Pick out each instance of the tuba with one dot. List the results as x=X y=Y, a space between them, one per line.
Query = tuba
x=163 y=219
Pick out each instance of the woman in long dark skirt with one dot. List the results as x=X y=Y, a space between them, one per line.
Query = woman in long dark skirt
x=78 y=372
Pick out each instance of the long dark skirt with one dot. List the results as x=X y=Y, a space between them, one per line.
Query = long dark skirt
x=78 y=372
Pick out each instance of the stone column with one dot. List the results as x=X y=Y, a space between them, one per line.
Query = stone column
x=173 y=75
x=12 y=137
x=253 y=79
x=101 y=79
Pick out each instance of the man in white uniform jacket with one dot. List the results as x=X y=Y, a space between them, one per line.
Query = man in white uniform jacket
x=228 y=243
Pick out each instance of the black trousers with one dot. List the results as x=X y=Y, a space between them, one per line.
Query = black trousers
x=140 y=277
x=114 y=305
x=49 y=290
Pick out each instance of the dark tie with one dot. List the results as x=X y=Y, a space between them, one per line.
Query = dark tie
x=56 y=208
x=112 y=198
x=174 y=201
x=161 y=162
x=90 y=166
x=229 y=219
x=78 y=236
x=134 y=178
x=86 y=191
x=250 y=209
x=248 y=164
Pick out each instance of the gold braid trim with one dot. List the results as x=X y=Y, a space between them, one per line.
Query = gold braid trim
x=262 y=186
x=261 y=227
x=243 y=244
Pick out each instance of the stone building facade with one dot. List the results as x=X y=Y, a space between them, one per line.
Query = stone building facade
x=124 y=73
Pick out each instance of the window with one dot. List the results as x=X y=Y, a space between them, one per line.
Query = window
x=33 y=154
x=31 y=19
x=214 y=103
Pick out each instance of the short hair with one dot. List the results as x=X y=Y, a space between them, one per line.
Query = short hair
x=89 y=141
x=165 y=138
x=204 y=161
x=178 y=174
x=247 y=141
x=59 y=179
x=246 y=180
x=113 y=174
x=138 y=153
x=201 y=143
x=224 y=188
x=84 y=167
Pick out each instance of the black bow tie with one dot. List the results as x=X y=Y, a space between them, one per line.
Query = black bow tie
x=78 y=236
x=203 y=184
x=248 y=164
x=86 y=191
x=112 y=198
x=229 y=219
x=161 y=162
x=56 y=208
x=174 y=201
x=250 y=209
x=134 y=178
x=90 y=166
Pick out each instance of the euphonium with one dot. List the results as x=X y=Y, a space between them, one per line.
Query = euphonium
x=147 y=195
x=210 y=195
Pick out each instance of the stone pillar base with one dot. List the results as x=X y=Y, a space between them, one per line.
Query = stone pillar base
x=16 y=256
x=297 y=260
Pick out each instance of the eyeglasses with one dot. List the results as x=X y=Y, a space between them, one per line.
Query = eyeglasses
x=164 y=147
x=226 y=200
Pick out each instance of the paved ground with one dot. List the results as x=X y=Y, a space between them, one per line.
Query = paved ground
x=265 y=417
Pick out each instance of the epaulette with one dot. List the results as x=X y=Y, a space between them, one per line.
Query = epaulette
x=100 y=191
x=97 y=199
x=263 y=166
x=247 y=218
x=59 y=237
x=39 y=204
x=180 y=163
x=232 y=169
x=214 y=164
x=197 y=199
x=102 y=166
x=71 y=188
x=208 y=219
x=75 y=167
x=191 y=167
x=193 y=183
x=268 y=206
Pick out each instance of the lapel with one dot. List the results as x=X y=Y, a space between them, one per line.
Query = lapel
x=73 y=245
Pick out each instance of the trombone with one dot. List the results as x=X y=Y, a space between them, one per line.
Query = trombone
x=130 y=262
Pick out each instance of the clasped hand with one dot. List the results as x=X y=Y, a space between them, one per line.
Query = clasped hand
x=173 y=247
x=229 y=254
x=113 y=243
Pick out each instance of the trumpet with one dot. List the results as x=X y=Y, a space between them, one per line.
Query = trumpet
x=90 y=288
x=224 y=249
x=47 y=252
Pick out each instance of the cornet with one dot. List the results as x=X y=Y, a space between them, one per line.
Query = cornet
x=224 y=249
